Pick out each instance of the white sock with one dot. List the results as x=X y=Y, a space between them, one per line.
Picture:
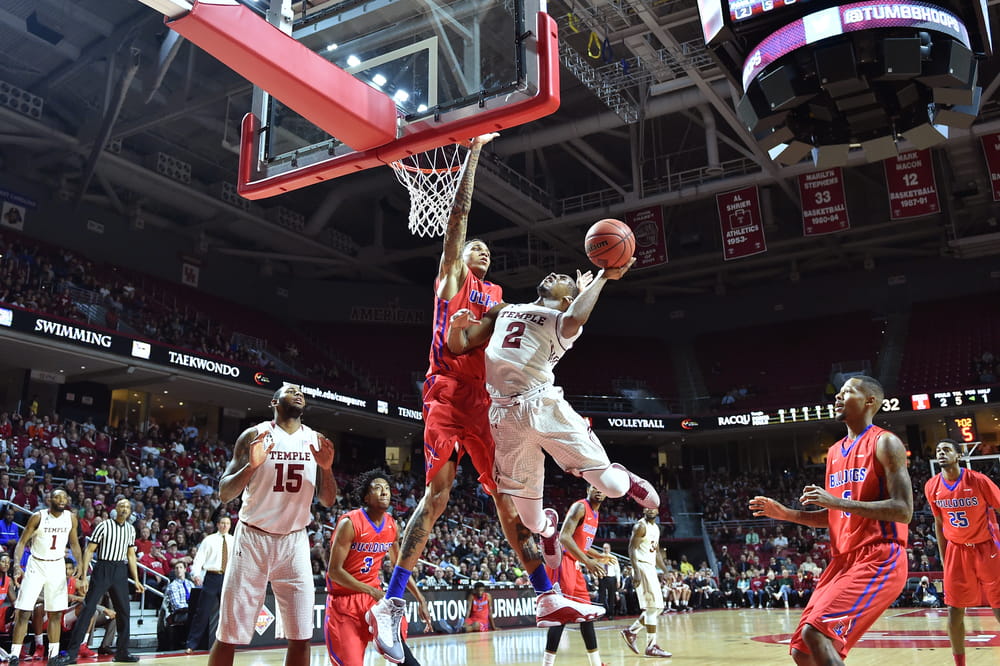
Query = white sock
x=53 y=649
x=651 y=638
x=612 y=481
x=15 y=649
x=594 y=658
x=548 y=658
x=636 y=626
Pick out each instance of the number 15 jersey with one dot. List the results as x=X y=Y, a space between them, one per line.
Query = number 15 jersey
x=965 y=507
x=524 y=349
x=279 y=496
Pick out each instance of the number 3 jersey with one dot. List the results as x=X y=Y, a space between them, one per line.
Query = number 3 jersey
x=280 y=493
x=370 y=546
x=853 y=471
x=965 y=507
x=524 y=349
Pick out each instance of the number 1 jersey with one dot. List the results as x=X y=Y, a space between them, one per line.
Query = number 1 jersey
x=965 y=507
x=279 y=496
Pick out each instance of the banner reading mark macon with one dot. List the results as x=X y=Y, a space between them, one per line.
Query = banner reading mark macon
x=824 y=205
x=650 y=243
x=912 y=190
x=739 y=217
x=991 y=147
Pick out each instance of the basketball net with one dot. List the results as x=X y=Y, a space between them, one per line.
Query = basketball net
x=432 y=179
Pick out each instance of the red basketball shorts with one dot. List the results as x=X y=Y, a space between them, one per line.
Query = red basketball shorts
x=852 y=593
x=484 y=622
x=570 y=579
x=456 y=411
x=346 y=630
x=972 y=571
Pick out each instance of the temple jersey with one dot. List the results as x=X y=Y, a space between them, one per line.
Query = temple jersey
x=475 y=295
x=585 y=532
x=524 y=349
x=50 y=539
x=966 y=508
x=280 y=493
x=370 y=545
x=854 y=472
x=650 y=541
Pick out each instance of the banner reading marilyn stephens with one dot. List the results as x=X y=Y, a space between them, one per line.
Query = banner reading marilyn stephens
x=650 y=242
x=991 y=148
x=739 y=217
x=912 y=190
x=824 y=204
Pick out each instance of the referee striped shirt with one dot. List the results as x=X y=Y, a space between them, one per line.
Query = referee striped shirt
x=113 y=540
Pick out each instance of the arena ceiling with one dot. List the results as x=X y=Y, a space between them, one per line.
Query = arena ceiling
x=620 y=141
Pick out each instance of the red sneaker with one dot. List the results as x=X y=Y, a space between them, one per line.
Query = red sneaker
x=641 y=490
x=630 y=638
x=655 y=650
x=551 y=548
x=86 y=653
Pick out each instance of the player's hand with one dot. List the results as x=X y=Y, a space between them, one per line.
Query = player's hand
x=260 y=448
x=594 y=567
x=139 y=587
x=766 y=507
x=196 y=580
x=17 y=573
x=324 y=454
x=110 y=613
x=463 y=319
x=425 y=615
x=583 y=280
x=377 y=593
x=482 y=140
x=816 y=496
x=616 y=273
x=81 y=585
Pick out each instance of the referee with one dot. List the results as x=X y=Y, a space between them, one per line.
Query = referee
x=114 y=543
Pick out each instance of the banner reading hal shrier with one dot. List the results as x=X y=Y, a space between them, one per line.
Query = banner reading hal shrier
x=824 y=205
x=912 y=190
x=650 y=243
x=991 y=147
x=739 y=217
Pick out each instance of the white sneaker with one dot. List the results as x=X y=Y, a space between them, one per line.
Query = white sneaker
x=552 y=550
x=641 y=490
x=384 y=620
x=553 y=609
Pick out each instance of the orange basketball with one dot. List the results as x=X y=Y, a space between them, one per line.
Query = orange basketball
x=610 y=243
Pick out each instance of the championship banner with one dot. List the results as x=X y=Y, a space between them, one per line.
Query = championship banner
x=14 y=209
x=739 y=217
x=824 y=204
x=650 y=240
x=190 y=273
x=991 y=148
x=912 y=190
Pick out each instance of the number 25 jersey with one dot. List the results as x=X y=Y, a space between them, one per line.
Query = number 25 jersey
x=280 y=493
x=965 y=507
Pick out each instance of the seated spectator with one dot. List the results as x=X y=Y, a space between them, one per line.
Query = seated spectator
x=925 y=594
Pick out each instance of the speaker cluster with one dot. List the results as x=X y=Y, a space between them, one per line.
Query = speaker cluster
x=171 y=167
x=22 y=101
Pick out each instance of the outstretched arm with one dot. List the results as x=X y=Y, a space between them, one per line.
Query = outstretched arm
x=451 y=270
x=579 y=311
x=762 y=506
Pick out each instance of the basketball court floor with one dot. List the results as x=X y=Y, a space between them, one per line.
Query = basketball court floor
x=902 y=637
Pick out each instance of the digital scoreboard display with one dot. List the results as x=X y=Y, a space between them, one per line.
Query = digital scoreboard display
x=963 y=428
x=741 y=10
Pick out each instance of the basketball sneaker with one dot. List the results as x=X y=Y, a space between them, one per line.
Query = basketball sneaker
x=551 y=548
x=86 y=653
x=553 y=609
x=641 y=490
x=630 y=638
x=384 y=619
x=655 y=650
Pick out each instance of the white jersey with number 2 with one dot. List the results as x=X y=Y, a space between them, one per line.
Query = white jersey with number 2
x=280 y=493
x=524 y=349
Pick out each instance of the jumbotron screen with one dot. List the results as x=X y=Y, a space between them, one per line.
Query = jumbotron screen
x=741 y=10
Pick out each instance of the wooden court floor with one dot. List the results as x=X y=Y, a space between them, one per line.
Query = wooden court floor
x=902 y=637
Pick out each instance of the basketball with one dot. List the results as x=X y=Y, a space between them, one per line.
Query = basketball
x=609 y=244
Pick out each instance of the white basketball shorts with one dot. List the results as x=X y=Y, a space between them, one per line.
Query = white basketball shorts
x=525 y=430
x=48 y=576
x=647 y=586
x=259 y=558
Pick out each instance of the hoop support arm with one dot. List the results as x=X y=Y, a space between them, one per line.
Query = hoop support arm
x=313 y=87
x=544 y=102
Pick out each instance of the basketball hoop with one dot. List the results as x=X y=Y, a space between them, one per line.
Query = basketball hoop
x=432 y=179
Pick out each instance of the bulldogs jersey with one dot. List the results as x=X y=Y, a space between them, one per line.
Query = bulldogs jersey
x=479 y=609
x=965 y=507
x=524 y=349
x=585 y=532
x=475 y=295
x=370 y=545
x=854 y=472
x=279 y=495
x=50 y=539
